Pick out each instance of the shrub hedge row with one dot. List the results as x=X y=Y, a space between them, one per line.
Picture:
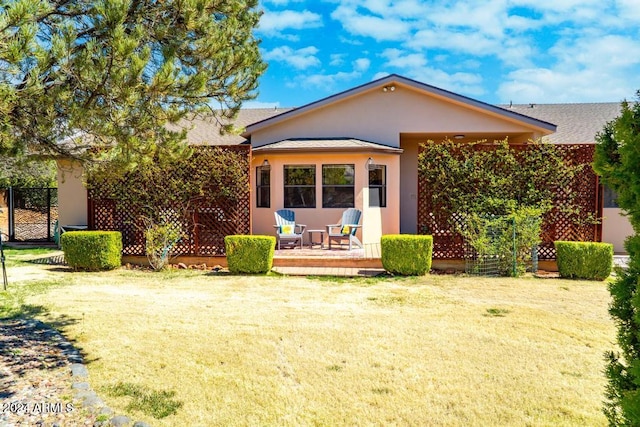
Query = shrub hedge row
x=250 y=254
x=584 y=260
x=92 y=250
x=406 y=254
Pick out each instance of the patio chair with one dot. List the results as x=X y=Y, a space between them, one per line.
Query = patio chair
x=347 y=228
x=287 y=231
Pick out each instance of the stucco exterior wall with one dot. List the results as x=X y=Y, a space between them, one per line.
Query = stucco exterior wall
x=375 y=221
x=615 y=228
x=72 y=196
x=381 y=117
x=409 y=186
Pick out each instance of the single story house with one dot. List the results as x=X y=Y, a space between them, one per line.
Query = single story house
x=359 y=148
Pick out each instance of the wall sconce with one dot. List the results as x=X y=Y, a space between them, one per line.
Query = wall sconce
x=389 y=88
x=369 y=163
x=266 y=165
x=460 y=136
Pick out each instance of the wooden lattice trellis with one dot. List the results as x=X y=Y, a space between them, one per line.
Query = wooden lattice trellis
x=582 y=191
x=205 y=220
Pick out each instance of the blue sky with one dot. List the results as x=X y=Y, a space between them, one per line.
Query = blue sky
x=541 y=51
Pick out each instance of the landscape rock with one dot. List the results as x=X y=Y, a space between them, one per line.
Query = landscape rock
x=120 y=421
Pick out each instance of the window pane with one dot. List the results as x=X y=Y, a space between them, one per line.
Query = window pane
x=377 y=175
x=299 y=197
x=377 y=197
x=378 y=186
x=337 y=197
x=338 y=186
x=610 y=198
x=264 y=197
x=264 y=176
x=263 y=189
x=338 y=174
x=299 y=175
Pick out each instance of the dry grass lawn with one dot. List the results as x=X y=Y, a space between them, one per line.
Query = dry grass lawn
x=285 y=351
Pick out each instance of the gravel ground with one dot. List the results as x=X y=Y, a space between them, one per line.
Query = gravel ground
x=35 y=377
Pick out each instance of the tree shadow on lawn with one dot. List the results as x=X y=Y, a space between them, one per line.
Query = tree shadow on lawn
x=28 y=344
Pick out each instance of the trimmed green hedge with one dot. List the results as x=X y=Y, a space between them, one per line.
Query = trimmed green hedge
x=406 y=254
x=250 y=254
x=92 y=250
x=584 y=260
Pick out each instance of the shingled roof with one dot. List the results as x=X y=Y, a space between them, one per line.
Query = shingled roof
x=206 y=130
x=576 y=123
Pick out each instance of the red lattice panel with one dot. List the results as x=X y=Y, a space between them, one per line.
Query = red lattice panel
x=205 y=222
x=582 y=191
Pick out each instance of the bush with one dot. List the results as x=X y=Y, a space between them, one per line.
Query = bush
x=92 y=250
x=584 y=260
x=160 y=240
x=406 y=254
x=250 y=254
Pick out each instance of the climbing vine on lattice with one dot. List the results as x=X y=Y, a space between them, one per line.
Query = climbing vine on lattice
x=206 y=195
x=457 y=179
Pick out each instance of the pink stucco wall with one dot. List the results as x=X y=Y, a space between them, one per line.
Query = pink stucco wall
x=381 y=117
x=375 y=220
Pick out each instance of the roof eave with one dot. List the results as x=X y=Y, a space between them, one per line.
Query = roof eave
x=292 y=150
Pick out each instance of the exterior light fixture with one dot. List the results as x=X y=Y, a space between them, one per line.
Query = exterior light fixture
x=266 y=165
x=389 y=88
x=369 y=163
x=459 y=136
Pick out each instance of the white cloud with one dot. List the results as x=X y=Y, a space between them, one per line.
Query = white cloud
x=598 y=51
x=272 y=23
x=379 y=28
x=629 y=9
x=337 y=59
x=328 y=81
x=544 y=85
x=588 y=68
x=400 y=59
x=466 y=83
x=299 y=59
x=361 y=64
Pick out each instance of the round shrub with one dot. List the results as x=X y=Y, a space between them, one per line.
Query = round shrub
x=92 y=250
x=406 y=254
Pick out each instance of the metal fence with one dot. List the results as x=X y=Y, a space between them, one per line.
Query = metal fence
x=32 y=214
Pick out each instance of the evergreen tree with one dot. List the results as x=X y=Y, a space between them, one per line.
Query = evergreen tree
x=111 y=74
x=22 y=172
x=617 y=161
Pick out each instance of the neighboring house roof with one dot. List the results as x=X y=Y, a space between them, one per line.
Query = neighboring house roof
x=325 y=144
x=206 y=130
x=576 y=123
x=396 y=79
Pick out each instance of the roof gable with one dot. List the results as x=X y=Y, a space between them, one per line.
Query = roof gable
x=388 y=83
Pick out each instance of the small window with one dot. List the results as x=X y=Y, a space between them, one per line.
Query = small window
x=610 y=198
x=377 y=186
x=338 y=186
x=263 y=186
x=299 y=186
